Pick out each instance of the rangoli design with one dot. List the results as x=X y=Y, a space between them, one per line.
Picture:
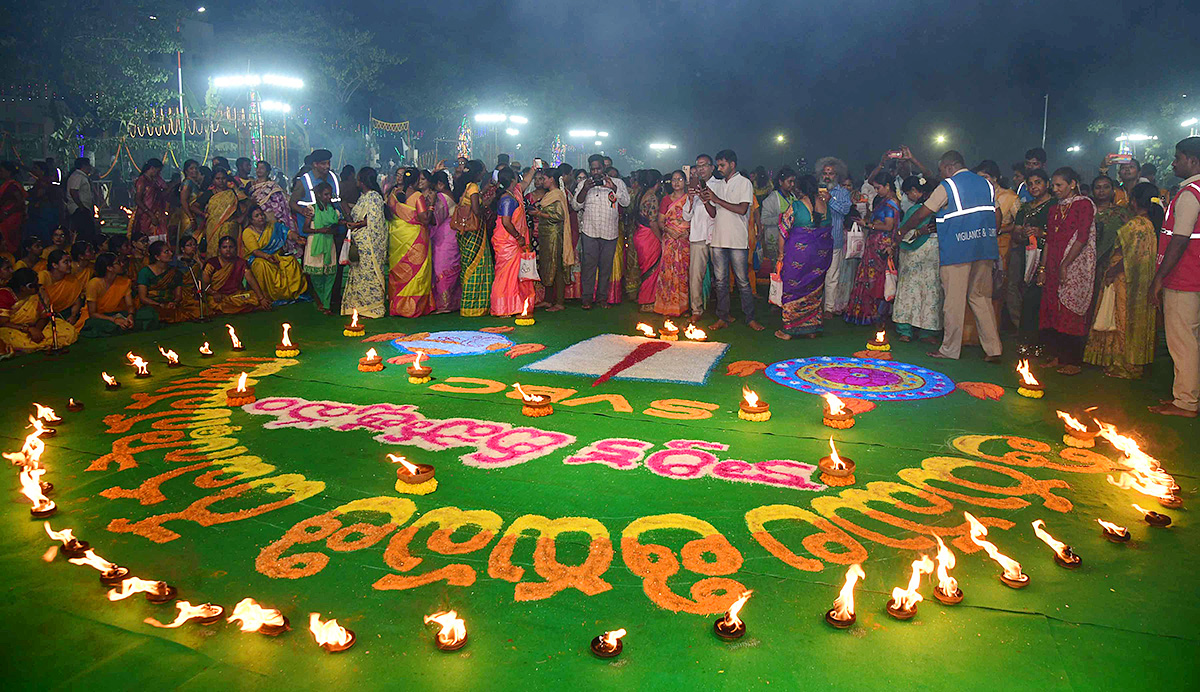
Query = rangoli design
x=860 y=378
x=454 y=343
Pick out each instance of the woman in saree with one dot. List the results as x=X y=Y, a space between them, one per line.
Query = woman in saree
x=83 y=259
x=555 y=254
x=446 y=259
x=149 y=196
x=510 y=239
x=191 y=212
x=160 y=289
x=917 y=311
x=109 y=304
x=410 y=268
x=1029 y=233
x=574 y=290
x=805 y=249
x=271 y=198
x=671 y=292
x=1068 y=270
x=60 y=240
x=30 y=255
x=12 y=207
x=191 y=273
x=366 y=279
x=867 y=305
x=1126 y=344
x=25 y=324
x=227 y=277
x=137 y=250
x=647 y=239
x=1109 y=219
x=277 y=274
x=475 y=257
x=777 y=200
x=64 y=293
x=219 y=212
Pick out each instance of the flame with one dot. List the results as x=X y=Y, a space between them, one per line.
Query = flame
x=70 y=401
x=612 y=638
x=417 y=360
x=187 y=611
x=91 y=559
x=454 y=628
x=836 y=407
x=693 y=333
x=881 y=336
x=1145 y=474
x=46 y=413
x=253 y=616
x=31 y=451
x=833 y=456
x=669 y=326
x=237 y=343
x=1142 y=509
x=241 y=385
x=1026 y=376
x=108 y=379
x=287 y=341
x=127 y=210
x=131 y=586
x=95 y=212
x=1012 y=568
x=1113 y=528
x=525 y=309
x=170 y=355
x=206 y=349
x=31 y=487
x=410 y=467
x=354 y=318
x=750 y=396
x=731 y=617
x=945 y=562
x=372 y=354
x=907 y=599
x=65 y=536
x=330 y=632
x=1039 y=528
x=1071 y=421
x=532 y=398
x=646 y=329
x=843 y=605
x=143 y=368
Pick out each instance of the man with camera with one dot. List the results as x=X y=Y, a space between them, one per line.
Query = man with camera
x=728 y=201
x=598 y=198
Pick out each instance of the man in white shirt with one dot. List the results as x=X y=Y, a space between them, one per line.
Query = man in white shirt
x=81 y=200
x=696 y=213
x=728 y=201
x=598 y=197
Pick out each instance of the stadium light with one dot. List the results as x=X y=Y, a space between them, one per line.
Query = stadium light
x=1189 y=122
x=599 y=143
x=662 y=146
x=582 y=133
x=780 y=138
x=490 y=117
x=253 y=80
x=1075 y=149
x=276 y=107
x=601 y=134
x=200 y=9
x=1136 y=138
x=518 y=119
x=513 y=131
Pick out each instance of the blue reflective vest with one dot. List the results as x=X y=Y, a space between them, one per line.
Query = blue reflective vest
x=966 y=226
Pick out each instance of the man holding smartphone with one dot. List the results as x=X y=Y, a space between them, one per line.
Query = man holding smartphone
x=701 y=222
x=728 y=202
x=597 y=197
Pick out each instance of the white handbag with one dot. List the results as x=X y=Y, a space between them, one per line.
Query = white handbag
x=856 y=242
x=1106 y=311
x=529 y=270
x=775 y=295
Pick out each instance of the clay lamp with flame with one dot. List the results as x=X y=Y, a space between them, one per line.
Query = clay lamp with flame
x=1153 y=518
x=71 y=546
x=241 y=394
x=453 y=633
x=837 y=414
x=46 y=413
x=1144 y=473
x=841 y=615
x=669 y=331
x=233 y=338
x=1112 y=532
x=1078 y=434
x=609 y=644
x=206 y=350
x=729 y=625
x=1028 y=386
x=413 y=479
x=330 y=635
x=646 y=330
x=836 y=470
x=74 y=405
x=171 y=356
x=534 y=405
x=1063 y=555
x=141 y=367
x=879 y=343
x=1012 y=576
x=255 y=618
x=110 y=382
x=372 y=362
x=354 y=329
x=31 y=487
x=751 y=408
x=695 y=334
x=903 y=604
x=39 y=428
x=156 y=591
x=417 y=373
x=31 y=452
x=947 y=590
x=525 y=319
x=205 y=614
x=285 y=348
x=111 y=573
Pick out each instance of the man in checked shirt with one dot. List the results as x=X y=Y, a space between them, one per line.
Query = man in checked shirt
x=598 y=198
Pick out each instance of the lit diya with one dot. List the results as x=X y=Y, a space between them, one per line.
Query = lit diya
x=252 y=617
x=880 y=342
x=206 y=350
x=74 y=406
x=241 y=394
x=453 y=633
x=524 y=319
x=372 y=362
x=1063 y=555
x=609 y=644
x=695 y=334
x=534 y=405
x=205 y=614
x=1028 y=386
x=417 y=373
x=1153 y=518
x=171 y=356
x=947 y=590
x=903 y=604
x=110 y=382
x=111 y=573
x=413 y=479
x=751 y=409
x=646 y=330
x=837 y=414
x=330 y=635
x=156 y=591
x=1112 y=532
x=1078 y=434
x=354 y=328
x=285 y=348
x=141 y=367
x=836 y=470
x=729 y=625
x=71 y=546
x=841 y=615
x=1144 y=473
x=46 y=413
x=31 y=487
x=233 y=337
x=669 y=331
x=1012 y=575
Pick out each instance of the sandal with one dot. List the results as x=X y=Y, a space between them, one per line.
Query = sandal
x=780 y=334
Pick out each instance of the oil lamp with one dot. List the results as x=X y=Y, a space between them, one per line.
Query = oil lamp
x=413 y=479
x=947 y=590
x=31 y=487
x=156 y=591
x=206 y=350
x=453 y=633
x=241 y=394
x=751 y=408
x=74 y=406
x=205 y=614
x=695 y=334
x=1063 y=555
x=880 y=342
x=417 y=373
x=524 y=319
x=111 y=574
x=646 y=330
x=1078 y=434
x=71 y=546
x=836 y=470
x=233 y=337
x=285 y=348
x=1143 y=472
x=110 y=382
x=171 y=356
x=354 y=329
x=903 y=605
x=837 y=414
x=609 y=644
x=1153 y=518
x=841 y=615
x=255 y=618
x=330 y=635
x=372 y=362
x=729 y=625
x=1028 y=386
x=1012 y=576
x=534 y=405
x=1112 y=532
x=669 y=331
x=46 y=413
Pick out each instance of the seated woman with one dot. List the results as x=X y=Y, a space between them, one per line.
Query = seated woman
x=160 y=289
x=31 y=254
x=25 y=326
x=109 y=303
x=223 y=277
x=191 y=273
x=139 y=252
x=263 y=242
x=60 y=239
x=63 y=291
x=83 y=256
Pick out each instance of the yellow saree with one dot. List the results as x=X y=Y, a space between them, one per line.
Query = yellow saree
x=280 y=277
x=27 y=312
x=221 y=208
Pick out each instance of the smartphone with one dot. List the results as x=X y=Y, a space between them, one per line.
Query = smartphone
x=537 y=163
x=895 y=154
x=1119 y=158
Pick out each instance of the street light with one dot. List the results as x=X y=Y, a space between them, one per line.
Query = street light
x=512 y=131
x=1136 y=138
x=200 y=8
x=780 y=138
x=599 y=143
x=582 y=133
x=518 y=119
x=939 y=139
x=276 y=106
x=601 y=134
x=662 y=146
x=1075 y=149
x=490 y=117
x=1189 y=122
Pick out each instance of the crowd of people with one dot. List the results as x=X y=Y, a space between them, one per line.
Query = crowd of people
x=952 y=256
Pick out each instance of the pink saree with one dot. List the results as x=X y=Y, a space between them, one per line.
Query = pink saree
x=445 y=257
x=508 y=290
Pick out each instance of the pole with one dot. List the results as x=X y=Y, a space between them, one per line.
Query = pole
x=179 y=76
x=1045 y=118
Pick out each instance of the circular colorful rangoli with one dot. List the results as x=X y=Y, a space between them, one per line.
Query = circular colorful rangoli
x=861 y=378
x=454 y=343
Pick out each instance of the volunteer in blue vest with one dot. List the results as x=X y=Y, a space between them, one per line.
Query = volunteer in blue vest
x=967 y=219
x=1177 y=282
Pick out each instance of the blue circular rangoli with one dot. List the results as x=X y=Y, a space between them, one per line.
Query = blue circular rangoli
x=456 y=343
x=860 y=378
